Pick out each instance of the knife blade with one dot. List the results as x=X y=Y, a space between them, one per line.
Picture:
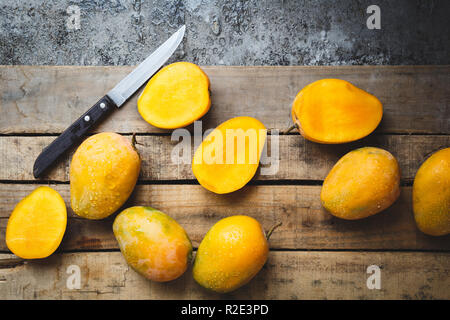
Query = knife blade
x=115 y=98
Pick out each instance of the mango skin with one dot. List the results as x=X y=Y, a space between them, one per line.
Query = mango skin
x=103 y=173
x=362 y=183
x=233 y=251
x=431 y=194
x=153 y=243
x=333 y=111
x=37 y=224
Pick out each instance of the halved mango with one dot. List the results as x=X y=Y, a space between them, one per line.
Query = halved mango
x=229 y=156
x=37 y=224
x=176 y=96
x=335 y=111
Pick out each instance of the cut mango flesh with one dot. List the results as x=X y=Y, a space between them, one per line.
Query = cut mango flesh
x=229 y=156
x=335 y=111
x=176 y=96
x=37 y=224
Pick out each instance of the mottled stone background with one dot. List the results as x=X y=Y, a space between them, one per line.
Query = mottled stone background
x=235 y=32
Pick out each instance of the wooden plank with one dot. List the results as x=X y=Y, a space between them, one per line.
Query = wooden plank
x=287 y=275
x=46 y=99
x=299 y=159
x=306 y=225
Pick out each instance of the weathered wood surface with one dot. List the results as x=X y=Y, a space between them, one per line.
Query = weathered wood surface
x=306 y=225
x=287 y=275
x=42 y=99
x=299 y=159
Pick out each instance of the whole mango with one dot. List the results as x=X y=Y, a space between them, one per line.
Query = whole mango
x=362 y=183
x=431 y=194
x=231 y=254
x=153 y=243
x=103 y=173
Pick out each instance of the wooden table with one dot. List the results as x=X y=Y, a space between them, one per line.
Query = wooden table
x=313 y=255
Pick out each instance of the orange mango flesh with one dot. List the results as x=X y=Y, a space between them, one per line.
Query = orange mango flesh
x=176 y=96
x=431 y=194
x=362 y=183
x=233 y=251
x=103 y=173
x=153 y=243
x=335 y=111
x=219 y=174
x=37 y=224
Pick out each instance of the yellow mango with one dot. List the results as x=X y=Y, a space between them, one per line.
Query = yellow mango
x=362 y=183
x=431 y=194
x=37 y=224
x=229 y=156
x=335 y=111
x=176 y=96
x=103 y=173
x=153 y=243
x=231 y=254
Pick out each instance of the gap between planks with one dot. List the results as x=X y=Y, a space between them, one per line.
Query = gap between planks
x=194 y=249
x=299 y=159
x=169 y=134
x=306 y=225
x=44 y=99
x=286 y=275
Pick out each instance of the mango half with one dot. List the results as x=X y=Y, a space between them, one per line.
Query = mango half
x=176 y=96
x=153 y=243
x=103 y=173
x=233 y=251
x=362 y=183
x=431 y=194
x=229 y=156
x=334 y=111
x=37 y=224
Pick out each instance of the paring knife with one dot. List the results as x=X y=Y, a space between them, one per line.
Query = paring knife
x=113 y=99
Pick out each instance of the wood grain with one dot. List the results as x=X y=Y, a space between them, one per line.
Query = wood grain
x=43 y=99
x=287 y=275
x=306 y=225
x=326 y=258
x=299 y=159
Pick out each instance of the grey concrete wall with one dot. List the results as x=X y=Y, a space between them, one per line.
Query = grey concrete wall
x=235 y=32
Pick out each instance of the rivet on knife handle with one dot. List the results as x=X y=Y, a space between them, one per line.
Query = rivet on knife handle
x=116 y=97
x=72 y=135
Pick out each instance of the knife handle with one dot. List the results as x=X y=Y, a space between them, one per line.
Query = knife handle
x=72 y=135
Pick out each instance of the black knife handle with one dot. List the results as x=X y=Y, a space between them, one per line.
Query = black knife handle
x=72 y=135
